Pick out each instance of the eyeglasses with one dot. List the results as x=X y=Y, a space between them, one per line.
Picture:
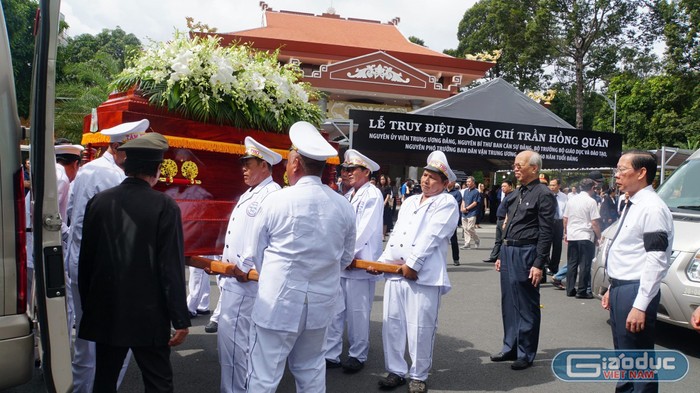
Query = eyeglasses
x=620 y=170
x=519 y=166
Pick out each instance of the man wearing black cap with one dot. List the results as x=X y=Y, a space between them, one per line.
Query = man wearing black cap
x=131 y=272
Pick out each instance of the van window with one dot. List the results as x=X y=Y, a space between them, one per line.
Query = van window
x=682 y=190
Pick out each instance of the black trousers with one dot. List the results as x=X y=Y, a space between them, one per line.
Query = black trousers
x=621 y=301
x=154 y=363
x=499 y=239
x=580 y=256
x=455 y=245
x=520 y=302
x=557 y=240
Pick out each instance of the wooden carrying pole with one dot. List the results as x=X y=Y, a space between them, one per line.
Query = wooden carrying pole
x=218 y=267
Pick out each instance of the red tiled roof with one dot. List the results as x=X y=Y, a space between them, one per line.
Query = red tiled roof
x=334 y=30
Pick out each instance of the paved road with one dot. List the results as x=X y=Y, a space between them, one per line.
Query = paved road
x=469 y=331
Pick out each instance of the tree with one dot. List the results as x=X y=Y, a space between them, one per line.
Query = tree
x=19 y=18
x=591 y=34
x=521 y=30
x=85 y=67
x=416 y=40
x=679 y=23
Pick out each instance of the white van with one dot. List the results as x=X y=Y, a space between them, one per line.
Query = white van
x=17 y=332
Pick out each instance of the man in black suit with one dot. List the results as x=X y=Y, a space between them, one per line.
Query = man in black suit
x=131 y=272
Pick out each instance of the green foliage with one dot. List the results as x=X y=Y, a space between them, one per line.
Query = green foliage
x=521 y=30
x=416 y=40
x=19 y=18
x=86 y=65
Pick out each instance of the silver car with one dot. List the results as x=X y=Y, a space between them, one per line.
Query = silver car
x=680 y=289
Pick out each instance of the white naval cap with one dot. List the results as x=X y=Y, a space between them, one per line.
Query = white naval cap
x=354 y=158
x=255 y=149
x=126 y=131
x=309 y=142
x=437 y=162
x=74 y=150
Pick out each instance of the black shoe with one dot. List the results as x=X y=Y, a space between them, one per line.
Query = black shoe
x=391 y=381
x=212 y=327
x=332 y=364
x=520 y=364
x=502 y=357
x=193 y=315
x=585 y=296
x=456 y=262
x=203 y=312
x=490 y=260
x=571 y=294
x=352 y=365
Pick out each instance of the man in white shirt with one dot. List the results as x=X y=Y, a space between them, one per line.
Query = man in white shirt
x=558 y=225
x=96 y=176
x=237 y=298
x=637 y=259
x=419 y=244
x=582 y=231
x=303 y=236
x=357 y=286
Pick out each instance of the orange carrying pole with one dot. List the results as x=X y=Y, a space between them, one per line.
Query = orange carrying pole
x=378 y=266
x=218 y=267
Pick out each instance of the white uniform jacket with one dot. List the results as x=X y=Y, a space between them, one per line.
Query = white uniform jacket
x=240 y=222
x=95 y=176
x=368 y=204
x=421 y=237
x=63 y=188
x=303 y=237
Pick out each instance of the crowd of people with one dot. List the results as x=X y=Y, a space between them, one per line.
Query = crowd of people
x=125 y=261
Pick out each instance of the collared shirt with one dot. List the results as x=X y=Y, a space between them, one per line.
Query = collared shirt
x=471 y=195
x=503 y=206
x=421 y=238
x=301 y=239
x=368 y=205
x=241 y=220
x=562 y=200
x=530 y=218
x=580 y=213
x=642 y=248
x=95 y=176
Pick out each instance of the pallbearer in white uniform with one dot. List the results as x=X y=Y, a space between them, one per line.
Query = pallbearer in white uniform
x=303 y=236
x=419 y=243
x=96 y=176
x=237 y=298
x=357 y=286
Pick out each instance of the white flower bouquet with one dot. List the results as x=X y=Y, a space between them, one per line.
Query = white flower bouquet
x=233 y=85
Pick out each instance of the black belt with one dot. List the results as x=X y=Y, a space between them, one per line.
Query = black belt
x=619 y=283
x=519 y=243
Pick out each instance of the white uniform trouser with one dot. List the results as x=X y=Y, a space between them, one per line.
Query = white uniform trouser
x=198 y=285
x=233 y=340
x=358 y=296
x=217 y=310
x=270 y=349
x=469 y=228
x=84 y=353
x=410 y=312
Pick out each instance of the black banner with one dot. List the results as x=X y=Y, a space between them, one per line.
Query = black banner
x=464 y=141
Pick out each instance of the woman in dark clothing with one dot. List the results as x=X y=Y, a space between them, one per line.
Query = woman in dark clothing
x=388 y=194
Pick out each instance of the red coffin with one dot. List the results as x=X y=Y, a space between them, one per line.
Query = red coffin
x=207 y=200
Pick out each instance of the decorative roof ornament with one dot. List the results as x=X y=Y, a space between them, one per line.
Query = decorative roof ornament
x=485 y=56
x=378 y=71
x=542 y=98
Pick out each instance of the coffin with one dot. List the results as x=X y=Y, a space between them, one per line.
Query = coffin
x=208 y=154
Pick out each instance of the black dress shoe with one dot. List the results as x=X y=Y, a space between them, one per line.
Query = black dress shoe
x=352 y=365
x=212 y=327
x=520 y=364
x=490 y=260
x=332 y=364
x=203 y=312
x=502 y=357
x=585 y=296
x=391 y=381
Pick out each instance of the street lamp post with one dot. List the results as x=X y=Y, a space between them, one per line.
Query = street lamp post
x=613 y=105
